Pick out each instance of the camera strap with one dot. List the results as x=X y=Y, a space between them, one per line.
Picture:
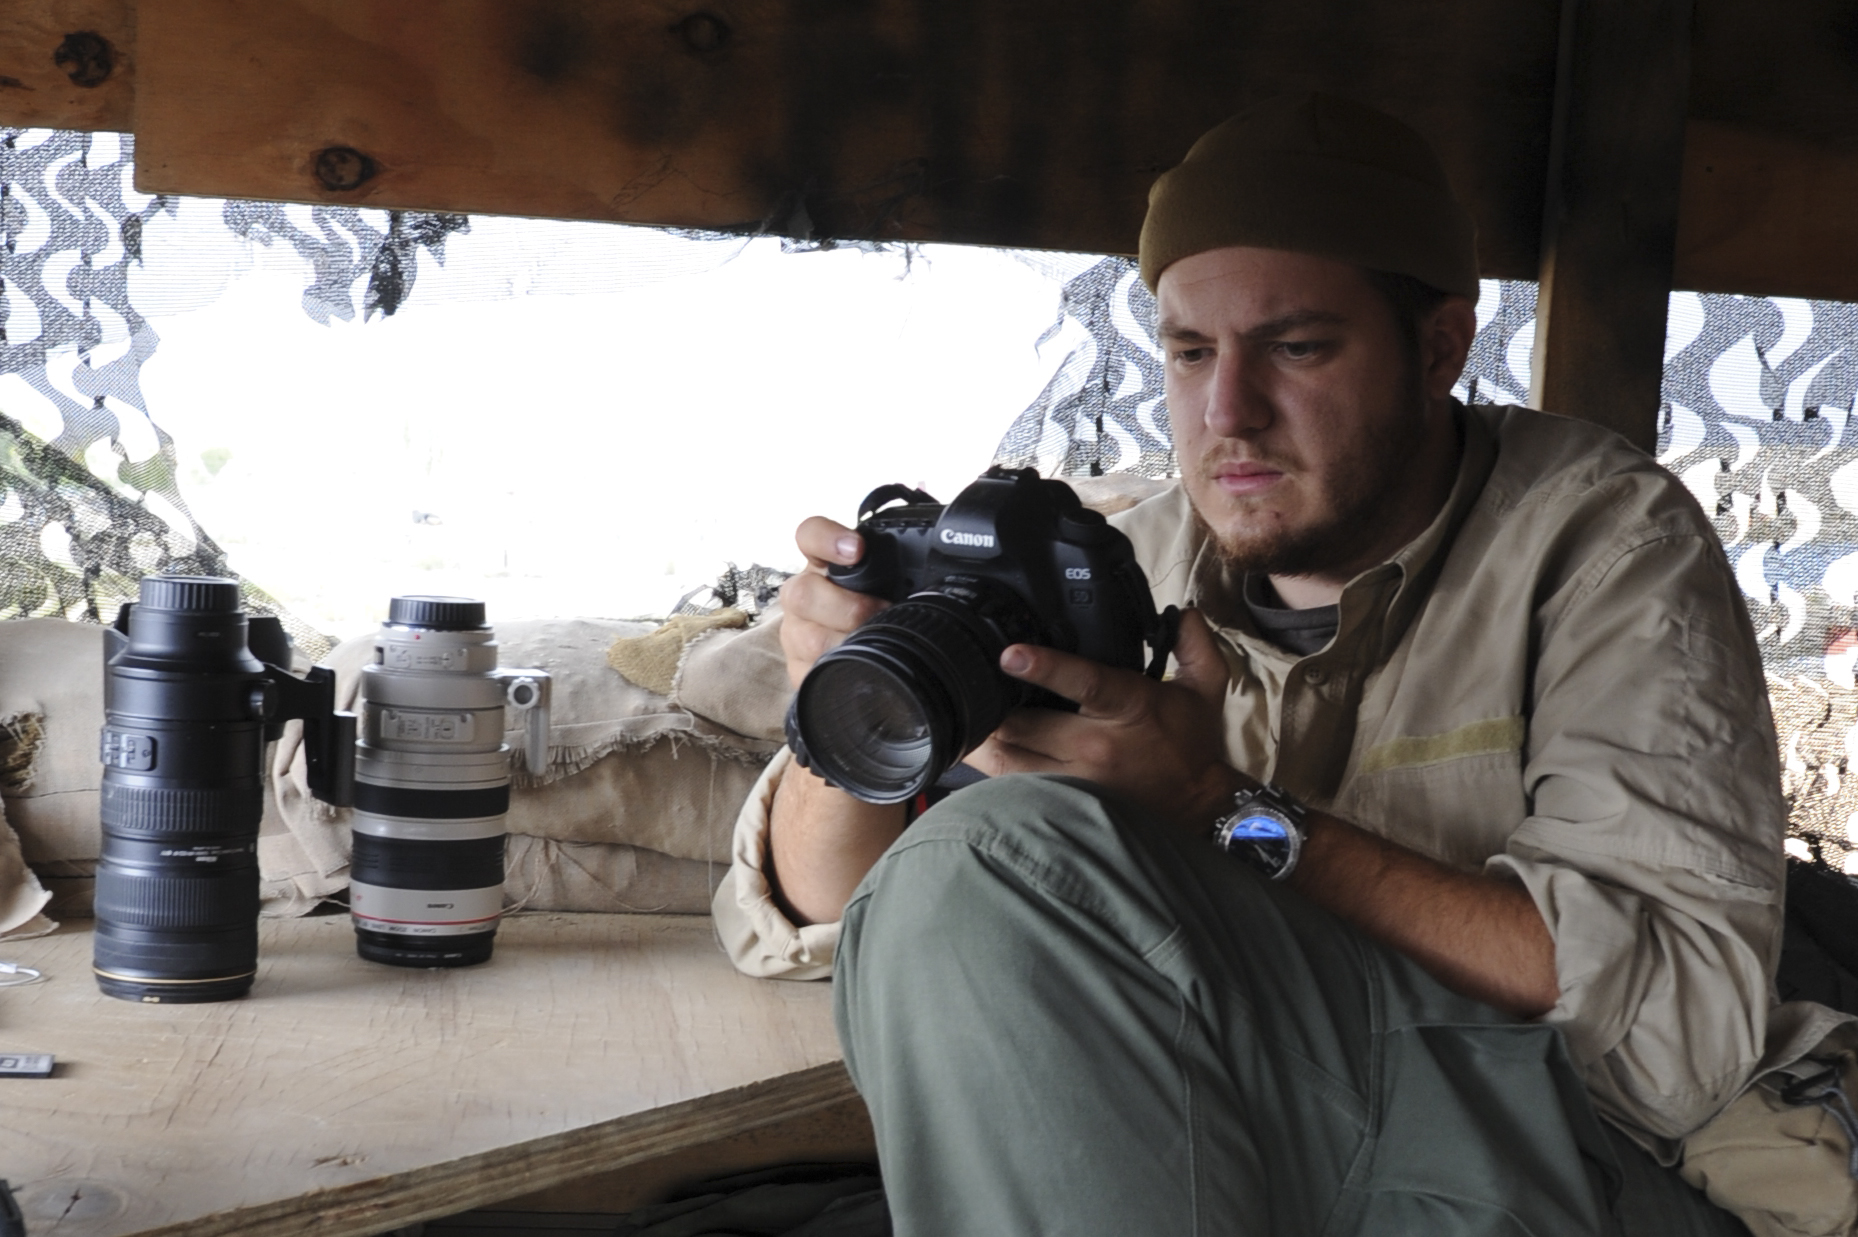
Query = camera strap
x=886 y=494
x=1161 y=637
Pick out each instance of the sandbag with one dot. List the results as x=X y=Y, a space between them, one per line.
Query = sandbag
x=630 y=768
x=633 y=813
x=51 y=708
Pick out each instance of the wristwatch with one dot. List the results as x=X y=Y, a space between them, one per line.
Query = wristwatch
x=1265 y=828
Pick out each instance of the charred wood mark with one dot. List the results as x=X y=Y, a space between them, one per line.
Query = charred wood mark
x=87 y=58
x=703 y=33
x=341 y=169
x=844 y=78
x=12 y=83
x=551 y=44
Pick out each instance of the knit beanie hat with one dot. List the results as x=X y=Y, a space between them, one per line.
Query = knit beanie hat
x=1319 y=175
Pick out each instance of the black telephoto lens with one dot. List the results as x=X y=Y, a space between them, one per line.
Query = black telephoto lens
x=885 y=714
x=183 y=790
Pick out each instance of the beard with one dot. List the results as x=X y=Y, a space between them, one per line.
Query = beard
x=1355 y=498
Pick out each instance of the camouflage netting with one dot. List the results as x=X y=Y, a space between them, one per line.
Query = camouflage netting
x=81 y=520
x=1759 y=395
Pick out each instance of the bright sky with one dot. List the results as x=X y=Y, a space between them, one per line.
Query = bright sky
x=592 y=419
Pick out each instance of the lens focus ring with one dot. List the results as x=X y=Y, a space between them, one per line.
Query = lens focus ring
x=164 y=809
x=164 y=901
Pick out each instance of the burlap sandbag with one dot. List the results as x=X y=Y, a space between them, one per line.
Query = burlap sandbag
x=1784 y=1168
x=51 y=707
x=22 y=898
x=638 y=780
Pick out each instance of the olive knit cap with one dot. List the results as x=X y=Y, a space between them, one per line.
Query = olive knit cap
x=1320 y=175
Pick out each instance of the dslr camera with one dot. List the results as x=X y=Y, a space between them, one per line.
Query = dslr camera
x=1013 y=560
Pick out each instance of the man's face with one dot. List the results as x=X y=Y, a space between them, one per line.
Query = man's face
x=1302 y=423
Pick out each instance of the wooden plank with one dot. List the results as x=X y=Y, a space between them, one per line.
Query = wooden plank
x=1021 y=122
x=1771 y=156
x=1769 y=160
x=1766 y=213
x=67 y=64
x=838 y=1134
x=343 y=1097
x=1610 y=218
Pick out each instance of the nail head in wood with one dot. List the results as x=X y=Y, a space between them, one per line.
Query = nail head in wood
x=703 y=33
x=342 y=168
x=87 y=58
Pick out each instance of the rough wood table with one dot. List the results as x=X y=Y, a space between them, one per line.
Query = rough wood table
x=345 y=1097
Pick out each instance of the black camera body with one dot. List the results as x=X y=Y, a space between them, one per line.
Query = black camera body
x=194 y=689
x=1013 y=560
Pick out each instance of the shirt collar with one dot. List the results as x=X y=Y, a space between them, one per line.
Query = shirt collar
x=1395 y=589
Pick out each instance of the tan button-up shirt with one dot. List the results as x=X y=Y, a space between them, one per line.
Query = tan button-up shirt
x=1556 y=681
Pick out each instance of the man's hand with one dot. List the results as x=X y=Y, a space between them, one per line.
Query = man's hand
x=1161 y=746
x=817 y=614
x=821 y=840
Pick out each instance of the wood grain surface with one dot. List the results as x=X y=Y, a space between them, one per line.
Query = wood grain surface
x=1014 y=122
x=1025 y=122
x=344 y=1097
x=68 y=64
x=1609 y=224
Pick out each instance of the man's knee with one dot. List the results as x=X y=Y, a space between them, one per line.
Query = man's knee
x=1038 y=811
x=1011 y=857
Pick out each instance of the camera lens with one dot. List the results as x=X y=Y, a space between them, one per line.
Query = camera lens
x=911 y=692
x=873 y=726
x=432 y=785
x=182 y=794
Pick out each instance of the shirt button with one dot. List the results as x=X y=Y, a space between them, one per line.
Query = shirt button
x=1315 y=675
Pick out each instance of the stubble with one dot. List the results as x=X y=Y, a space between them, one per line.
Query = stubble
x=1352 y=503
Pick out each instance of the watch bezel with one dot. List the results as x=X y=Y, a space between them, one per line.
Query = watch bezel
x=1277 y=857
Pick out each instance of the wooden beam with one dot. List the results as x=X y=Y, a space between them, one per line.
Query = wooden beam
x=1610 y=215
x=67 y=64
x=1766 y=213
x=1025 y=122
x=1016 y=122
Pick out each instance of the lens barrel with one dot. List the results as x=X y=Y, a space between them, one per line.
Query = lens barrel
x=885 y=714
x=432 y=786
x=182 y=794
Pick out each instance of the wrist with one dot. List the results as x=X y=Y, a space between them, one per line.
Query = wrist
x=1212 y=797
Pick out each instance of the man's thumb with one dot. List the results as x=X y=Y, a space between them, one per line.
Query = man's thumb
x=1198 y=661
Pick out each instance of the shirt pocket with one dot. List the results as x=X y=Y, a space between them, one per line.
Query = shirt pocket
x=1456 y=796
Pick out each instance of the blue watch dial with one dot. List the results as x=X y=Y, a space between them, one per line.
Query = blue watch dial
x=1257 y=829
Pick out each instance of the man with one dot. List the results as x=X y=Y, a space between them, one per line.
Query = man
x=1495 y=667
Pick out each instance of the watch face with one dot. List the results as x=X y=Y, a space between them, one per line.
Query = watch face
x=1258 y=828
x=1263 y=839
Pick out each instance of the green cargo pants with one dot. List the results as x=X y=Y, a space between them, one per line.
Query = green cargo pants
x=1067 y=1023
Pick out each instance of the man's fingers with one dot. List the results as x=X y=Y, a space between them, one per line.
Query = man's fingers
x=1198 y=662
x=825 y=542
x=812 y=598
x=996 y=758
x=816 y=615
x=1098 y=690
x=1041 y=730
